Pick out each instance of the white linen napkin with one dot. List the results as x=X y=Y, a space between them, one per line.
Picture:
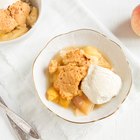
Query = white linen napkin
x=16 y=84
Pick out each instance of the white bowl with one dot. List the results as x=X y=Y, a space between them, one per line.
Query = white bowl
x=38 y=4
x=77 y=38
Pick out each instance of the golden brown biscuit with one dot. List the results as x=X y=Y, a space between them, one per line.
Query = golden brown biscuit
x=7 y=23
x=68 y=80
x=20 y=11
x=76 y=56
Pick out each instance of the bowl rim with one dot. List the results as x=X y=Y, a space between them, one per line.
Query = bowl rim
x=92 y=30
x=28 y=32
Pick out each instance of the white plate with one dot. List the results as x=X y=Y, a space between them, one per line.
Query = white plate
x=76 y=38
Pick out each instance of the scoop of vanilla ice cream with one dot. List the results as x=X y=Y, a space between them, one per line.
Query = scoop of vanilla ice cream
x=100 y=84
x=5 y=3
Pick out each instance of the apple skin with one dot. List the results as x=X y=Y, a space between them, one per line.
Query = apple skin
x=135 y=20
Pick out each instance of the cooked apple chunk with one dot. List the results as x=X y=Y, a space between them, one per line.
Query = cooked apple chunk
x=83 y=104
x=52 y=94
x=53 y=66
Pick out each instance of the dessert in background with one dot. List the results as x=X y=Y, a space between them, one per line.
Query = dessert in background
x=80 y=78
x=16 y=19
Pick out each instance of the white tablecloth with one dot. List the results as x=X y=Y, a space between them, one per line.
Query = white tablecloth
x=17 y=89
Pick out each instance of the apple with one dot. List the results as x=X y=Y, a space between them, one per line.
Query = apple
x=135 y=20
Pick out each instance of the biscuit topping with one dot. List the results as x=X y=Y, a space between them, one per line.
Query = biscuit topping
x=70 y=73
x=7 y=23
x=68 y=80
x=20 y=11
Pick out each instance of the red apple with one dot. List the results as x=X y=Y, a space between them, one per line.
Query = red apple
x=135 y=20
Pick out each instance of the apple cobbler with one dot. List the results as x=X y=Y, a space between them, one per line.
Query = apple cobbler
x=16 y=20
x=66 y=72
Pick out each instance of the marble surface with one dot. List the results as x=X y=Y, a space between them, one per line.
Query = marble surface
x=17 y=89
